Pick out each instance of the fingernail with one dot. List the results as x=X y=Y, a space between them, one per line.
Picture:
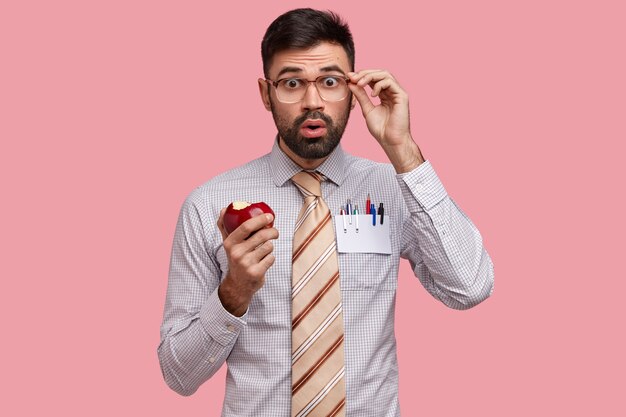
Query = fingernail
x=269 y=217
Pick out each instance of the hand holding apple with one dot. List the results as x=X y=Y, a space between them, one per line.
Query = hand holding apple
x=249 y=249
x=238 y=212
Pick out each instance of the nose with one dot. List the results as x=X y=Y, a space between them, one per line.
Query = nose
x=312 y=99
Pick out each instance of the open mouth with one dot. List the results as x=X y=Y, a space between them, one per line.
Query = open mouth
x=313 y=124
x=313 y=128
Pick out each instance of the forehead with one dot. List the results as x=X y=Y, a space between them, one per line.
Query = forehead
x=311 y=60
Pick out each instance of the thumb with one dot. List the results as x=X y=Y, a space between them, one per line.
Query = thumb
x=362 y=97
x=220 y=224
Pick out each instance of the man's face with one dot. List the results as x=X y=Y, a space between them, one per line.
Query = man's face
x=312 y=127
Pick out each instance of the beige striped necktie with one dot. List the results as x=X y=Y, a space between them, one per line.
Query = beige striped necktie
x=317 y=365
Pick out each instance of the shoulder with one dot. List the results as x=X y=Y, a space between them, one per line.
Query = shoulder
x=234 y=184
x=204 y=203
x=247 y=173
x=244 y=175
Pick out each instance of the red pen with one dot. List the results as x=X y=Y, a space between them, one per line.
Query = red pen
x=367 y=204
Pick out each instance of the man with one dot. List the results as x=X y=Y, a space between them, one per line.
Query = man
x=234 y=297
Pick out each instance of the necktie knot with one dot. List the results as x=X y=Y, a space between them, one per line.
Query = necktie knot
x=309 y=183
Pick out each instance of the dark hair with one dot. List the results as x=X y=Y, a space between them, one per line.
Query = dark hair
x=305 y=28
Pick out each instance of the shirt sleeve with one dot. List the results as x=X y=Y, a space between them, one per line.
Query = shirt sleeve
x=444 y=247
x=197 y=333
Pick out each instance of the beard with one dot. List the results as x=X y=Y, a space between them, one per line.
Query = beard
x=312 y=148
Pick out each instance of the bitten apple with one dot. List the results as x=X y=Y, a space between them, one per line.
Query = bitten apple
x=238 y=212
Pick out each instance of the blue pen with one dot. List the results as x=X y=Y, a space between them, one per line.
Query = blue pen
x=373 y=211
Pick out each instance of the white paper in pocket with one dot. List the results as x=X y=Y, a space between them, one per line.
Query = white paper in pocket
x=368 y=239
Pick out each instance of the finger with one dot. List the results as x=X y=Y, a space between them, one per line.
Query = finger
x=370 y=76
x=260 y=268
x=356 y=76
x=262 y=251
x=258 y=238
x=381 y=85
x=250 y=226
x=363 y=99
x=220 y=224
x=374 y=77
x=267 y=262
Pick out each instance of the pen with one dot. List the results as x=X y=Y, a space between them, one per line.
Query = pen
x=343 y=216
x=349 y=209
x=381 y=211
x=373 y=211
x=367 y=204
x=356 y=218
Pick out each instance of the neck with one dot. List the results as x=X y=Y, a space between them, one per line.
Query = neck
x=308 y=164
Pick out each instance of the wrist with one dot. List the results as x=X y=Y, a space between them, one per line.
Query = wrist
x=404 y=157
x=233 y=299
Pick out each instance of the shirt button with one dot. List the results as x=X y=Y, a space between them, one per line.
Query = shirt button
x=211 y=360
x=230 y=328
x=419 y=187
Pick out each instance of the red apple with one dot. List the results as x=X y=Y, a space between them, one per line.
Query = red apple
x=238 y=212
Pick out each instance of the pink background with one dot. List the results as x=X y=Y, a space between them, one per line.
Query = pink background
x=111 y=112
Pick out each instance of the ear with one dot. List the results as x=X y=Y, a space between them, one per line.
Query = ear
x=264 y=90
x=353 y=102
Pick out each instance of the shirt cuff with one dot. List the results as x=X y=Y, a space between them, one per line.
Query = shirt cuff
x=222 y=326
x=421 y=188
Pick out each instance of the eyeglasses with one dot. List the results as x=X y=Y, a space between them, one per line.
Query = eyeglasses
x=329 y=87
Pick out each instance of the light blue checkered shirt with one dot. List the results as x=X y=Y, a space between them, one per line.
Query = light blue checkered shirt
x=198 y=335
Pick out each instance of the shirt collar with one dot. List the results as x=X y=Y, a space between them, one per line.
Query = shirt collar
x=283 y=167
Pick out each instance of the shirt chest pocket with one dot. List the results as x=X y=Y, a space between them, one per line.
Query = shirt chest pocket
x=368 y=272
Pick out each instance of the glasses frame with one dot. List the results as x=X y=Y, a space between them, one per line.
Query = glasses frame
x=276 y=82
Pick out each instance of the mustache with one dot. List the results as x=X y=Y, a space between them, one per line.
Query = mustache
x=313 y=115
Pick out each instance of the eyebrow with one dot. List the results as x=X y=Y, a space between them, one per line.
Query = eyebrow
x=329 y=68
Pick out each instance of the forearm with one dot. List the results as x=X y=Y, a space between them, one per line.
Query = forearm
x=192 y=351
x=444 y=247
x=454 y=267
x=234 y=297
x=197 y=333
